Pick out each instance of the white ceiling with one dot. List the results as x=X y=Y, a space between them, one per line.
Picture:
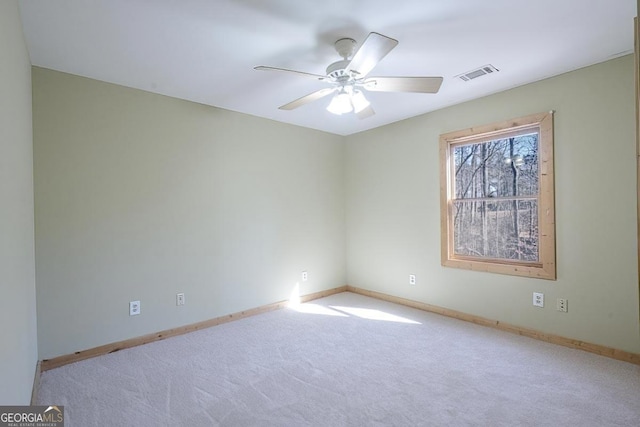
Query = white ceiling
x=205 y=50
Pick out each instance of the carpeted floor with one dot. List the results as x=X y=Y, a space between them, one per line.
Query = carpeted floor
x=346 y=360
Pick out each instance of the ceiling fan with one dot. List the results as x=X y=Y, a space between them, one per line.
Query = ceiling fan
x=348 y=77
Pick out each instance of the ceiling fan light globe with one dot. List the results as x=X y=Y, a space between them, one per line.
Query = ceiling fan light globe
x=359 y=102
x=340 y=104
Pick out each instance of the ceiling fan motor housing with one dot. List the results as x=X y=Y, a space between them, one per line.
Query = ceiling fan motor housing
x=336 y=70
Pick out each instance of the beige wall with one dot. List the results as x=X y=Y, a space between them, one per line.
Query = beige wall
x=17 y=282
x=393 y=211
x=140 y=196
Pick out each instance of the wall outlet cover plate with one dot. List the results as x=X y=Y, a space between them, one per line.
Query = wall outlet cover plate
x=134 y=308
x=538 y=299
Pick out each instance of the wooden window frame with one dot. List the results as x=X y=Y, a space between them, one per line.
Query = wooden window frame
x=545 y=268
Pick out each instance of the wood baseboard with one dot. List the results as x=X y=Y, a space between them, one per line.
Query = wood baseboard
x=56 y=362
x=613 y=353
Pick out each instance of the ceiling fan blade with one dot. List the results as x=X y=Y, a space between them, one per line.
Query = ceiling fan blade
x=403 y=84
x=367 y=112
x=375 y=47
x=307 y=99
x=284 y=70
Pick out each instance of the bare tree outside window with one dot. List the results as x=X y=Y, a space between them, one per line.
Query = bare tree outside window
x=496 y=184
x=495 y=202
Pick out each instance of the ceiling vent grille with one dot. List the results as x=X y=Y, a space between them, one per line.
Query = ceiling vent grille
x=479 y=72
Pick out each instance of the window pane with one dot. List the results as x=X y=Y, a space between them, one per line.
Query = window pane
x=496 y=230
x=500 y=168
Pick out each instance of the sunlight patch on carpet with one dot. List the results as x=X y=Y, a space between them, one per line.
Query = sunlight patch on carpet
x=373 y=314
x=317 y=309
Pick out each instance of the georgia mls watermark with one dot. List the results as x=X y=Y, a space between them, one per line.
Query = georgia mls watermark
x=31 y=416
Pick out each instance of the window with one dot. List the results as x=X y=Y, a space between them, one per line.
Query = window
x=497 y=198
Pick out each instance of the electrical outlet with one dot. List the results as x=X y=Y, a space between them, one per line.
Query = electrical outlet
x=180 y=298
x=563 y=305
x=538 y=299
x=412 y=279
x=134 y=308
x=305 y=276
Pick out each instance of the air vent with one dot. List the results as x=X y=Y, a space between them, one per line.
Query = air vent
x=479 y=72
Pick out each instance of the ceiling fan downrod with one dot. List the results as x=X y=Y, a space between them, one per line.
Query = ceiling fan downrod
x=345 y=48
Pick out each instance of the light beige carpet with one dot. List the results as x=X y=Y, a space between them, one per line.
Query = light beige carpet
x=347 y=360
